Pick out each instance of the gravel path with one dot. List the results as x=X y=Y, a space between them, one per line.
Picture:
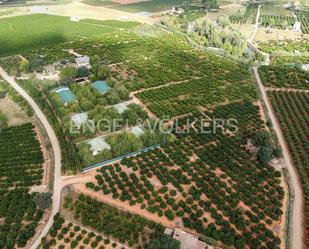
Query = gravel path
x=297 y=212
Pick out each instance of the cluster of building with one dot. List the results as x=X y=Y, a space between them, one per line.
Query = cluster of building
x=99 y=144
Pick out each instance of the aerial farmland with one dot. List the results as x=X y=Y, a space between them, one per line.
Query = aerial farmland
x=154 y=124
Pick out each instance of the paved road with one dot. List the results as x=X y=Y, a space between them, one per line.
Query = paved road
x=56 y=151
x=297 y=219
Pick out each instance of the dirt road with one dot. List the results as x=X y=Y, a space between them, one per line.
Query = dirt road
x=297 y=219
x=56 y=151
x=256 y=28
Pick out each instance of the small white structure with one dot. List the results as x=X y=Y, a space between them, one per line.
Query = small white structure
x=79 y=119
x=187 y=240
x=297 y=27
x=75 y=18
x=97 y=145
x=83 y=61
x=121 y=107
x=137 y=131
x=305 y=67
x=191 y=27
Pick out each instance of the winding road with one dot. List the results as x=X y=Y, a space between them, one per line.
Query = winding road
x=56 y=151
x=297 y=213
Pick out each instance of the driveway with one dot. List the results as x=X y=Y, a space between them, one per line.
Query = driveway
x=56 y=151
x=297 y=212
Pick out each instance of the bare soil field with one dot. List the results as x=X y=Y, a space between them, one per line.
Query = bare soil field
x=246 y=29
x=14 y=113
x=265 y=34
x=225 y=10
x=101 y=13
x=81 y=10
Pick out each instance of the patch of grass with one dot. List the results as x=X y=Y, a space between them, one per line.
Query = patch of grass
x=24 y=33
x=99 y=2
x=112 y=23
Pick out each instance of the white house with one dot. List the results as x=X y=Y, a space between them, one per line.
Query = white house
x=83 y=61
x=79 y=119
x=97 y=145
x=187 y=240
x=297 y=27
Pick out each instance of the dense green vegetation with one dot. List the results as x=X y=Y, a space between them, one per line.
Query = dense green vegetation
x=34 y=88
x=186 y=97
x=149 y=6
x=291 y=46
x=292 y=111
x=275 y=16
x=198 y=180
x=122 y=143
x=303 y=18
x=284 y=76
x=124 y=227
x=21 y=168
x=69 y=235
x=289 y=59
x=280 y=22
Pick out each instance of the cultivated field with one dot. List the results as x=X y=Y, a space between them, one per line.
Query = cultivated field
x=284 y=76
x=24 y=33
x=292 y=111
x=21 y=168
x=195 y=182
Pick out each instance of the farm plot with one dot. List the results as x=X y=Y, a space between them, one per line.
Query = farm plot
x=284 y=76
x=24 y=33
x=148 y=6
x=276 y=21
x=292 y=111
x=290 y=46
x=116 y=225
x=190 y=96
x=143 y=61
x=249 y=17
x=288 y=59
x=41 y=95
x=208 y=182
x=21 y=168
x=303 y=18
